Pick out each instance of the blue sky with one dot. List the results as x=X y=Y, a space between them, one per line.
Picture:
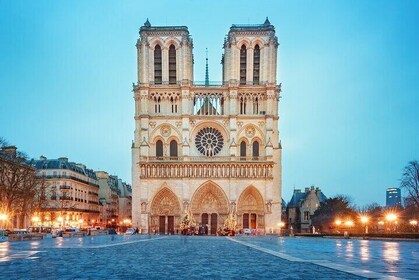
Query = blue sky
x=349 y=70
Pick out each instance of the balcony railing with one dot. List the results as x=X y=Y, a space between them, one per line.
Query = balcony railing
x=204 y=159
x=65 y=187
x=66 y=198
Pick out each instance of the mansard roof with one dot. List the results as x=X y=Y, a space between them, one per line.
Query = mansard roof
x=62 y=163
x=299 y=197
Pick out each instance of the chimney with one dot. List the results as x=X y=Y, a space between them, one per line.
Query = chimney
x=43 y=158
x=9 y=151
x=307 y=189
x=297 y=190
x=312 y=188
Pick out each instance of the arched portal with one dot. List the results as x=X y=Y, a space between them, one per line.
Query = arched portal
x=209 y=205
x=165 y=212
x=250 y=209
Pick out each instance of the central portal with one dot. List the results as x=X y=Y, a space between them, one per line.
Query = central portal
x=209 y=205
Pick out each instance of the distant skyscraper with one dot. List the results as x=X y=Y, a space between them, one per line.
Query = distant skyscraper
x=393 y=197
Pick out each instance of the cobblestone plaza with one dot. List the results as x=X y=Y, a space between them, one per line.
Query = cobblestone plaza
x=173 y=257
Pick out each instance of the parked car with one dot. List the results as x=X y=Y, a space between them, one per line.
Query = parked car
x=248 y=231
x=130 y=231
x=57 y=233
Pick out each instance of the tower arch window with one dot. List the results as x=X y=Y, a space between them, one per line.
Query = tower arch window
x=173 y=149
x=173 y=102
x=256 y=106
x=243 y=150
x=243 y=64
x=256 y=65
x=172 y=65
x=157 y=103
x=159 y=148
x=157 y=65
x=242 y=105
x=255 y=149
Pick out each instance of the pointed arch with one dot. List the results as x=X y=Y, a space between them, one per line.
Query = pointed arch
x=256 y=65
x=157 y=64
x=250 y=200
x=172 y=64
x=165 y=202
x=243 y=64
x=209 y=198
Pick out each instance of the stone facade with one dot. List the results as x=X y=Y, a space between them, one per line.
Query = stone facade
x=301 y=206
x=71 y=193
x=108 y=196
x=212 y=150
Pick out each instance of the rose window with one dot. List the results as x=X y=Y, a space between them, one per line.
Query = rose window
x=209 y=141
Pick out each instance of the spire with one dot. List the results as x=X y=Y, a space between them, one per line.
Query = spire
x=267 y=22
x=147 y=23
x=206 y=68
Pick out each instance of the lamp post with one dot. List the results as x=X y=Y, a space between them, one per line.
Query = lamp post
x=338 y=223
x=364 y=221
x=3 y=219
x=392 y=218
x=414 y=224
x=280 y=226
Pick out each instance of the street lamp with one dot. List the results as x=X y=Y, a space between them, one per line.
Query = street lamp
x=392 y=218
x=414 y=224
x=3 y=219
x=338 y=223
x=364 y=221
x=280 y=226
x=35 y=220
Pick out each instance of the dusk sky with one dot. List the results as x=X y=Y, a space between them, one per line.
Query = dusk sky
x=349 y=72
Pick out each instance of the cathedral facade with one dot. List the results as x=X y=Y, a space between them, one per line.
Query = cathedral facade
x=212 y=151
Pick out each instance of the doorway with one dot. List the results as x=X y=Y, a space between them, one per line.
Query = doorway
x=214 y=218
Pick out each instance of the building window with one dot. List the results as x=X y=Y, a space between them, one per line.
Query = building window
x=173 y=149
x=157 y=65
x=255 y=148
x=242 y=105
x=306 y=215
x=159 y=148
x=157 y=102
x=172 y=64
x=256 y=65
x=256 y=106
x=243 y=65
x=174 y=104
x=243 y=150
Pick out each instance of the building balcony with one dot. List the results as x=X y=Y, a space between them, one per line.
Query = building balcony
x=65 y=187
x=64 y=197
x=204 y=159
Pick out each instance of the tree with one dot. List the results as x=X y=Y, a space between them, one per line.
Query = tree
x=410 y=182
x=20 y=189
x=330 y=210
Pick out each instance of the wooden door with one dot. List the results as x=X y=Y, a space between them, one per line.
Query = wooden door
x=171 y=224
x=246 y=220
x=253 y=220
x=214 y=219
x=162 y=224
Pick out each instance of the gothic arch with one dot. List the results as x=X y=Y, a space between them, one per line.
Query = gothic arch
x=258 y=41
x=165 y=202
x=242 y=42
x=250 y=200
x=209 y=198
x=243 y=133
x=172 y=41
x=173 y=132
x=155 y=42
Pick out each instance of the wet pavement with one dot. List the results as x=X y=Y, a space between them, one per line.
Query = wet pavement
x=207 y=257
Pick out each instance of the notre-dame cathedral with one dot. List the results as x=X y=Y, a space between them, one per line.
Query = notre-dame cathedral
x=211 y=150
